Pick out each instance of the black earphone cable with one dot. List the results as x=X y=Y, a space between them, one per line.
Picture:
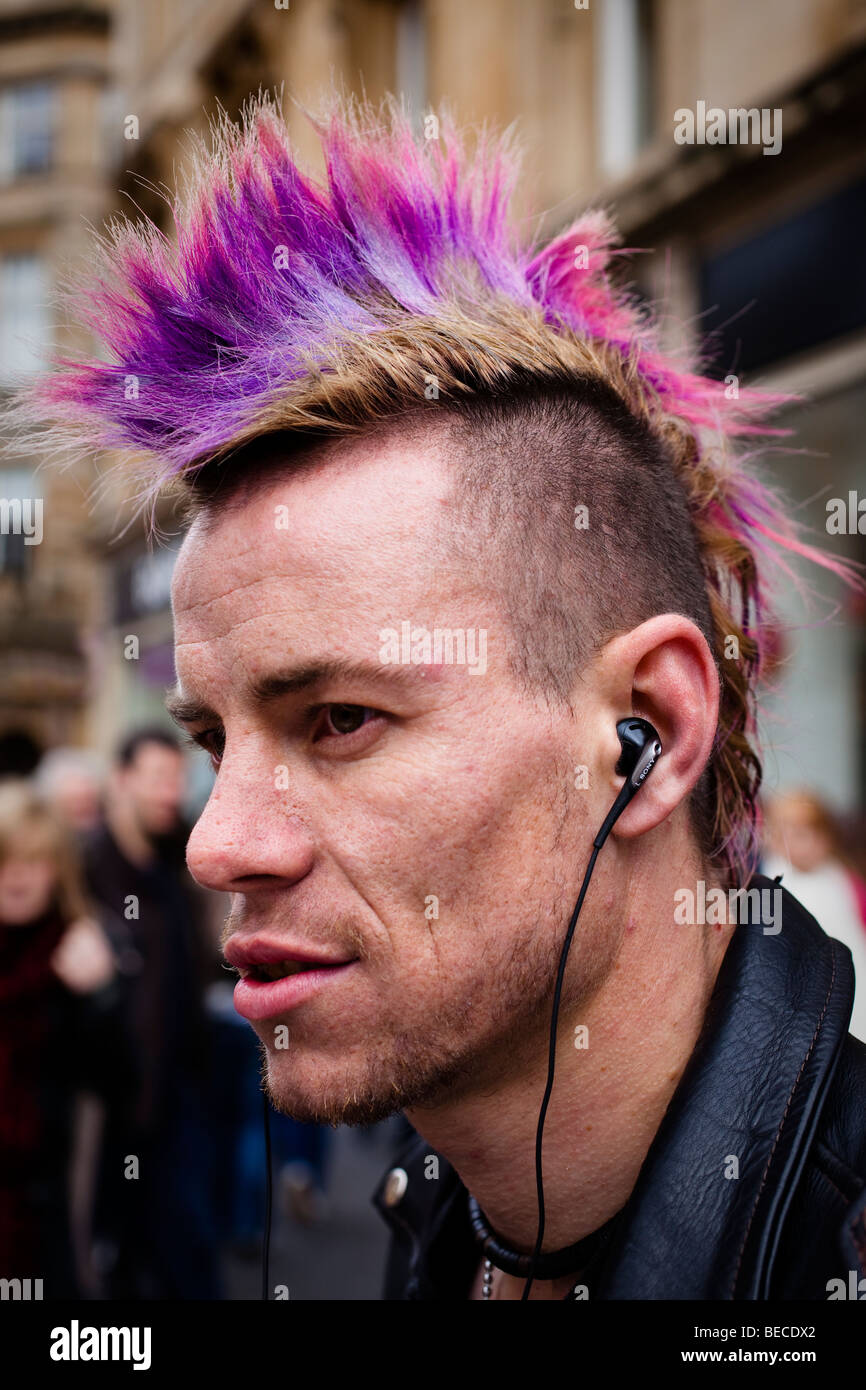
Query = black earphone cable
x=641 y=748
x=551 y=1065
x=266 y=1244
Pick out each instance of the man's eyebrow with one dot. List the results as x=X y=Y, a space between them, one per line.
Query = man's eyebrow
x=293 y=679
x=188 y=711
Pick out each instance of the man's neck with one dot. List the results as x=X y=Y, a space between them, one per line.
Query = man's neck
x=609 y=1097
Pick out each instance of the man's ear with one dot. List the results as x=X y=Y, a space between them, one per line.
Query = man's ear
x=662 y=671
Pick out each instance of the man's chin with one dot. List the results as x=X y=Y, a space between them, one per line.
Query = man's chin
x=352 y=1099
x=336 y=1110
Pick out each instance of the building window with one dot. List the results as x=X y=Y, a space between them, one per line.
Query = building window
x=624 y=94
x=27 y=124
x=25 y=320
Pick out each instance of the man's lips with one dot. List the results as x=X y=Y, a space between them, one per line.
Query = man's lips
x=248 y=954
x=276 y=975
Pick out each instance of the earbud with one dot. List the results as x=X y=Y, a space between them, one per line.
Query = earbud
x=634 y=735
x=641 y=749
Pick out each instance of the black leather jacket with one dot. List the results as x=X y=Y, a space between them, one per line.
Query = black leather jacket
x=775 y=1080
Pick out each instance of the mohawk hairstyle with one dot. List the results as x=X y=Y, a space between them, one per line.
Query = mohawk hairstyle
x=286 y=307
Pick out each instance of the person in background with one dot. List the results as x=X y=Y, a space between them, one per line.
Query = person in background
x=802 y=843
x=71 y=780
x=156 y=1216
x=60 y=1030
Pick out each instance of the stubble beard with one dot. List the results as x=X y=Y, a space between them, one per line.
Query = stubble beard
x=447 y=1055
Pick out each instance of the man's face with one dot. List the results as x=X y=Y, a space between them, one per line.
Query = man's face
x=416 y=822
x=154 y=784
x=78 y=799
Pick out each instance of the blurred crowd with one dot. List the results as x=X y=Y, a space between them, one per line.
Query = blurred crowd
x=131 y=1112
x=131 y=1136
x=808 y=846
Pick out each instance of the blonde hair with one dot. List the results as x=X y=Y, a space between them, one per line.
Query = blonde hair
x=30 y=828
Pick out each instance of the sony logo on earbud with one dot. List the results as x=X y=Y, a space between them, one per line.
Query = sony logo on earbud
x=645 y=771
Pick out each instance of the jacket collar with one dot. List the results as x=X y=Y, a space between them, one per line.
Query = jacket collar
x=747 y=1105
x=752 y=1092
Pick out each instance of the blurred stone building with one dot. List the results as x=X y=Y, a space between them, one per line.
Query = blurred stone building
x=752 y=251
x=55 y=70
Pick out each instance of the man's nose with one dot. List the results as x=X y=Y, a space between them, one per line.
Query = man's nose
x=249 y=829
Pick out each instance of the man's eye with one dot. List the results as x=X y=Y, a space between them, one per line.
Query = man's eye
x=345 y=719
x=213 y=741
x=335 y=721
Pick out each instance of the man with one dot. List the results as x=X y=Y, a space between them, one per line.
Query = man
x=454 y=516
x=136 y=875
x=71 y=780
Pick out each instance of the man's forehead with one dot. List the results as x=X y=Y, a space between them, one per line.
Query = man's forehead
x=339 y=565
x=376 y=505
